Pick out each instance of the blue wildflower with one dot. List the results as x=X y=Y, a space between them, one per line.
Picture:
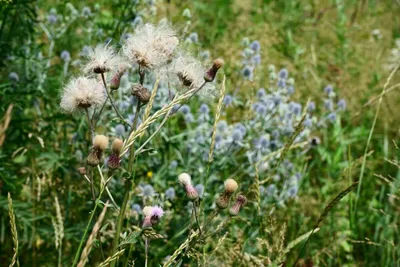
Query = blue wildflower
x=13 y=76
x=200 y=188
x=255 y=46
x=137 y=208
x=261 y=93
x=170 y=193
x=247 y=72
x=290 y=89
x=311 y=106
x=65 y=55
x=222 y=126
x=173 y=164
x=328 y=89
x=283 y=74
x=86 y=12
x=281 y=83
x=341 y=104
x=228 y=100
x=185 y=109
x=204 y=109
x=120 y=130
x=194 y=37
x=256 y=59
x=271 y=190
x=332 y=116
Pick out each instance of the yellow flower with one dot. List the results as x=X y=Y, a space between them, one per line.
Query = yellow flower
x=149 y=174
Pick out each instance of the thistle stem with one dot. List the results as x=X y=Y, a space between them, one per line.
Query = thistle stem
x=146 y=251
x=111 y=100
x=128 y=185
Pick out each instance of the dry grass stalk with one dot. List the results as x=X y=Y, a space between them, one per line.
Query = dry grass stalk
x=13 y=231
x=146 y=123
x=6 y=123
x=216 y=120
x=89 y=243
x=112 y=258
x=151 y=101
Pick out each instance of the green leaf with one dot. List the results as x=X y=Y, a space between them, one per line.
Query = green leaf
x=131 y=239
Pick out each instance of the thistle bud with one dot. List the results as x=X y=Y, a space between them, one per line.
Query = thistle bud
x=116 y=79
x=186 y=180
x=100 y=143
x=141 y=93
x=223 y=200
x=209 y=76
x=82 y=170
x=147 y=211
x=240 y=201
x=114 y=159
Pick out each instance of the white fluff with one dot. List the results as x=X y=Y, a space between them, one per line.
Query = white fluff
x=151 y=46
x=185 y=179
x=81 y=93
x=103 y=57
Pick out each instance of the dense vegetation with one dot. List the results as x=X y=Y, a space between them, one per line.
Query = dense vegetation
x=288 y=156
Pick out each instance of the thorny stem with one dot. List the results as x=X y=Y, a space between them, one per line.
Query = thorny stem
x=111 y=100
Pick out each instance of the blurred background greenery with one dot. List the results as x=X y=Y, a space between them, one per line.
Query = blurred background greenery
x=350 y=44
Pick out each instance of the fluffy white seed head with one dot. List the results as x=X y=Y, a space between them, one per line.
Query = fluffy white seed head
x=103 y=58
x=185 y=179
x=100 y=141
x=147 y=211
x=151 y=46
x=82 y=93
x=231 y=185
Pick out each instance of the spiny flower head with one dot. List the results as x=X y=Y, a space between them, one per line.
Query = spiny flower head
x=147 y=212
x=103 y=58
x=152 y=46
x=82 y=93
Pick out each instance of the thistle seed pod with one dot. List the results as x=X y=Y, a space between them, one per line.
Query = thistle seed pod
x=240 y=201
x=82 y=170
x=223 y=200
x=100 y=143
x=147 y=211
x=186 y=180
x=209 y=76
x=141 y=93
x=114 y=159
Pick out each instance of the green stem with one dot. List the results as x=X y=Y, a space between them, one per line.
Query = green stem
x=83 y=239
x=128 y=185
